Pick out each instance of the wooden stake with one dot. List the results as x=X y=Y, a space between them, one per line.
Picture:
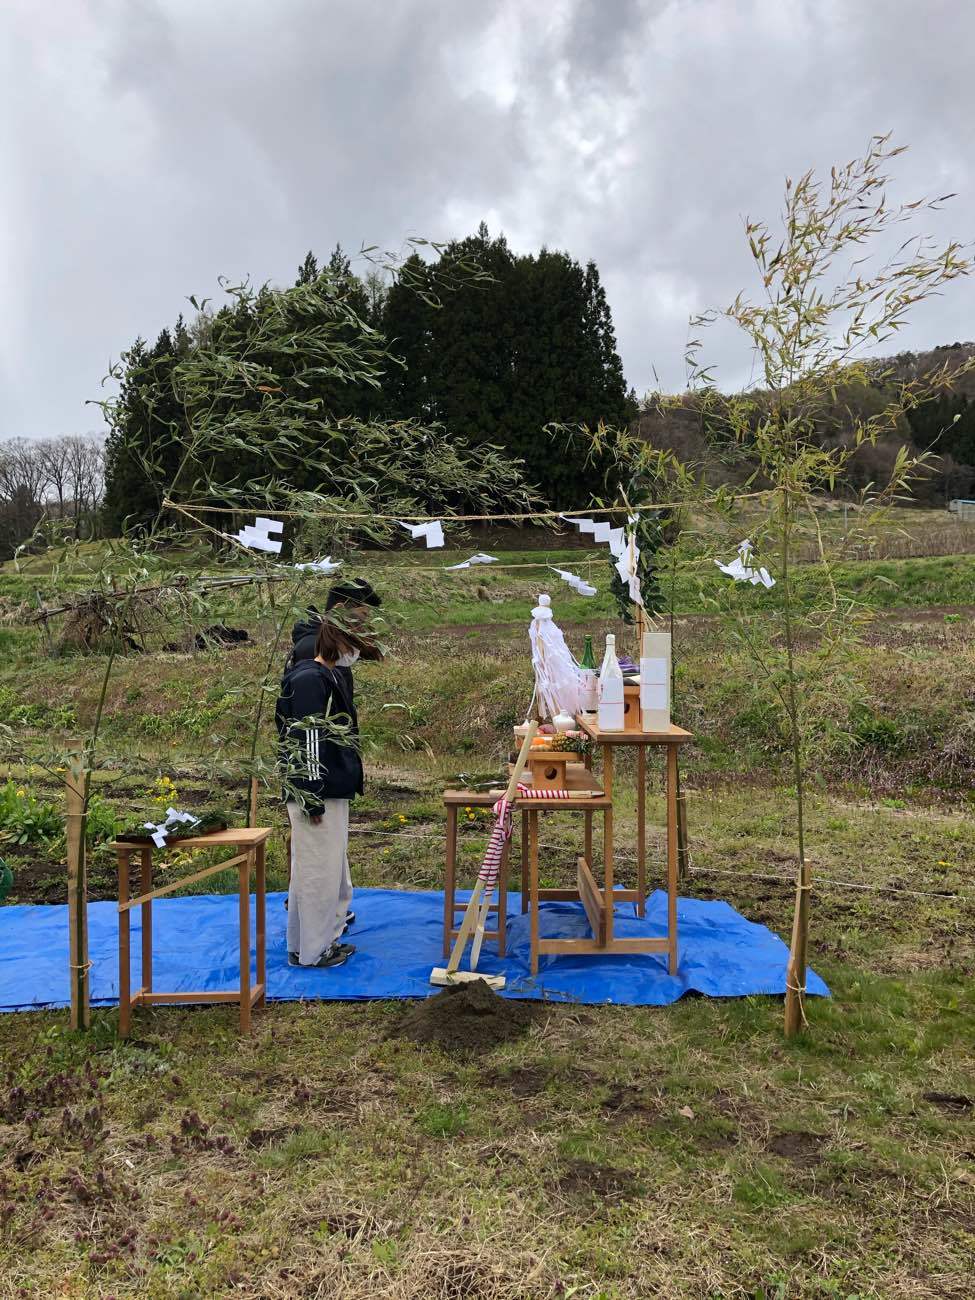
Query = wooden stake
x=252 y=803
x=683 y=852
x=795 y=977
x=76 y=788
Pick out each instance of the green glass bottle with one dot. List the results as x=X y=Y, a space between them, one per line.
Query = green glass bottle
x=588 y=680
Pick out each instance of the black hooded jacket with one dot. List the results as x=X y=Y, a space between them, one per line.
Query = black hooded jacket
x=304 y=634
x=318 y=766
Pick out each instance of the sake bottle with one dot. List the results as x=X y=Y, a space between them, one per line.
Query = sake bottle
x=588 y=681
x=610 y=689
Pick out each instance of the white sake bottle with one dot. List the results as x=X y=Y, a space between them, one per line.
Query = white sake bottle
x=610 y=689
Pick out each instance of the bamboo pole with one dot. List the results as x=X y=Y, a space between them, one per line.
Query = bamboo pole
x=683 y=852
x=76 y=788
x=795 y=978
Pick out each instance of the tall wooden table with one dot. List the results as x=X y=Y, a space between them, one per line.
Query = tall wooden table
x=250 y=843
x=671 y=741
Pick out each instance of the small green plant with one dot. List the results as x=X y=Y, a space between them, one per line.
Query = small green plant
x=442 y=1119
x=25 y=819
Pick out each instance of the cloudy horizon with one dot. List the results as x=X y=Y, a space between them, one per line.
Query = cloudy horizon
x=154 y=147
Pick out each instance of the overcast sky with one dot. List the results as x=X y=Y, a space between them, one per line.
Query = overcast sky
x=152 y=145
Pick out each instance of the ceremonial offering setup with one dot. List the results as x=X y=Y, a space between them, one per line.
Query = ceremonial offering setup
x=574 y=716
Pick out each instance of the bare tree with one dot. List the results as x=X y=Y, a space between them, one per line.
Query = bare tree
x=85 y=460
x=23 y=485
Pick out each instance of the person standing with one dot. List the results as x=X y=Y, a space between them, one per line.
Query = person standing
x=319 y=737
x=352 y=602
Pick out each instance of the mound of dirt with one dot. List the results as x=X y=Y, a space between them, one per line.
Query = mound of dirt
x=466 y=1018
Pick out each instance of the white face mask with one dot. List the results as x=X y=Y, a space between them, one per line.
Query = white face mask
x=348 y=659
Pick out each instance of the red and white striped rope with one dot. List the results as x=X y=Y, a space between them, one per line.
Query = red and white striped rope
x=501 y=831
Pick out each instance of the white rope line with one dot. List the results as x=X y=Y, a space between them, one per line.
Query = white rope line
x=839 y=884
x=627 y=856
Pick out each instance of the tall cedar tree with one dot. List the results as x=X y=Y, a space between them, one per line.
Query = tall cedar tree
x=501 y=360
x=148 y=412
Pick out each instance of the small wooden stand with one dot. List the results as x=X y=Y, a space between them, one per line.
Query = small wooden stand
x=250 y=843
x=584 y=794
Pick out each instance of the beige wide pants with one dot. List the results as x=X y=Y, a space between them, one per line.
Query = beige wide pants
x=321 y=886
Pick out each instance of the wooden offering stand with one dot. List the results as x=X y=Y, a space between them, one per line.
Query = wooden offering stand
x=250 y=843
x=598 y=896
x=548 y=768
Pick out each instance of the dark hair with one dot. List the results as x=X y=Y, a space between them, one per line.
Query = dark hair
x=357 y=591
x=332 y=641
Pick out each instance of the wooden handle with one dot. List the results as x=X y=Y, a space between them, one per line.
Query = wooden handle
x=521 y=760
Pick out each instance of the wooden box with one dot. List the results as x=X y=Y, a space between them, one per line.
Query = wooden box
x=631 y=707
x=547 y=771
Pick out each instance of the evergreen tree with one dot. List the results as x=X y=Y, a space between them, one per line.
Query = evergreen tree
x=142 y=449
x=407 y=323
x=500 y=360
x=946 y=426
x=470 y=378
x=308 y=271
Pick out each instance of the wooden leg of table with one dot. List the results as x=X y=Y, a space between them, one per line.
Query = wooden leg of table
x=672 y=855
x=608 y=771
x=587 y=818
x=525 y=886
x=641 y=830
x=244 y=885
x=450 y=878
x=503 y=896
x=533 y=885
x=260 y=897
x=608 y=872
x=145 y=884
x=124 y=956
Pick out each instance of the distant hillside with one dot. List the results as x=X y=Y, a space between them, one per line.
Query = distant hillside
x=912 y=365
x=945 y=427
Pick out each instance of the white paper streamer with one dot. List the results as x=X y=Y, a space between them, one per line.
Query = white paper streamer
x=622 y=546
x=479 y=558
x=326 y=565
x=575 y=582
x=432 y=532
x=257 y=536
x=740 y=569
x=174 y=818
x=583 y=525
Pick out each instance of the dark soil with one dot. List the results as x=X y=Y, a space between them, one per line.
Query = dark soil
x=600 y=1182
x=466 y=1018
x=950 y=1103
x=527 y=1081
x=626 y=1100
x=800 y=1148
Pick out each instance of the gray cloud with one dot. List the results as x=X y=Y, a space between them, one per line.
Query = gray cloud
x=151 y=147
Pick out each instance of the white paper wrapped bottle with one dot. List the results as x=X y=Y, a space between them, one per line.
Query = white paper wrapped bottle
x=610 y=690
x=655 y=681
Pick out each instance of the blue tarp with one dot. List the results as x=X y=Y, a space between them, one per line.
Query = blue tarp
x=398 y=936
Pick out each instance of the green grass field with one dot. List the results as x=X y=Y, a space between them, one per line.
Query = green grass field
x=610 y=1153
